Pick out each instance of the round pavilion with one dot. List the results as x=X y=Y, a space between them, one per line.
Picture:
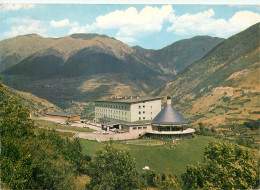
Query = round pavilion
x=170 y=124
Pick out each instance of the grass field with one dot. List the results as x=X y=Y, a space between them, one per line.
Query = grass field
x=53 y=125
x=159 y=158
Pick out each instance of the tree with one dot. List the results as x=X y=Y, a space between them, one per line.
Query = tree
x=202 y=128
x=213 y=130
x=15 y=129
x=224 y=167
x=152 y=179
x=29 y=160
x=113 y=169
x=253 y=124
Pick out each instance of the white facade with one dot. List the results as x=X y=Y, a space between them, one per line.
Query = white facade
x=146 y=110
x=129 y=110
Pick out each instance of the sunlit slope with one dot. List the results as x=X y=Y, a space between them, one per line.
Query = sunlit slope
x=222 y=87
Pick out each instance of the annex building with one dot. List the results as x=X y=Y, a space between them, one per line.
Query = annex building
x=63 y=115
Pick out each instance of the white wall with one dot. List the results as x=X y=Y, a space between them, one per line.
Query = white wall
x=145 y=110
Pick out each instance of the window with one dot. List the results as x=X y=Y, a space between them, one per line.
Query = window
x=143 y=117
x=144 y=127
x=139 y=107
x=139 y=127
x=143 y=111
x=139 y=112
x=140 y=118
x=134 y=128
x=143 y=106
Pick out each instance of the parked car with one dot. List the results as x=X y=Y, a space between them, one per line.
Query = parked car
x=105 y=133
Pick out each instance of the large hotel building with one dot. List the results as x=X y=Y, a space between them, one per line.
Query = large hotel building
x=143 y=114
x=128 y=109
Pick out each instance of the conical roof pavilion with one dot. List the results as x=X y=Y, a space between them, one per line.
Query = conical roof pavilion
x=169 y=116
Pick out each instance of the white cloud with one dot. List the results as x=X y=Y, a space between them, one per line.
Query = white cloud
x=130 y=22
x=25 y=26
x=126 y=39
x=205 y=23
x=81 y=29
x=16 y=6
x=63 y=23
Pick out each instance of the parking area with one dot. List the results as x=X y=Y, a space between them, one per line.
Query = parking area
x=99 y=134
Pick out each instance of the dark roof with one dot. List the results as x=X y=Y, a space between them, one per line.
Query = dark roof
x=128 y=100
x=168 y=116
x=63 y=114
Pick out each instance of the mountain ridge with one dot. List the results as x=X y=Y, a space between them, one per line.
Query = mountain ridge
x=222 y=81
x=58 y=68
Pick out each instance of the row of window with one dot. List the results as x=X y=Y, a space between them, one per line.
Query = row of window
x=144 y=112
x=112 y=106
x=134 y=128
x=111 y=116
x=111 y=111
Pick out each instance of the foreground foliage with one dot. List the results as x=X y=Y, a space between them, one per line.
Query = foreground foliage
x=113 y=169
x=224 y=167
x=35 y=161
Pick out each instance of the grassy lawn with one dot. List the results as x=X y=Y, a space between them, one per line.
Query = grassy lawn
x=159 y=158
x=53 y=125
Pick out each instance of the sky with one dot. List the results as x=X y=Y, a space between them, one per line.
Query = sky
x=152 y=26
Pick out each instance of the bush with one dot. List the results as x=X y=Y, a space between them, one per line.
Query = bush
x=253 y=124
x=224 y=167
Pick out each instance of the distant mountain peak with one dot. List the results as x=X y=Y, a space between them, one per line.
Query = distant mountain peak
x=86 y=36
x=33 y=35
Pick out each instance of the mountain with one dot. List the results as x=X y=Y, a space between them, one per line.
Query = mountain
x=84 y=67
x=14 y=50
x=176 y=57
x=223 y=87
x=35 y=104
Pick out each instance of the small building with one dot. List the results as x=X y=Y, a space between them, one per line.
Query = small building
x=124 y=125
x=129 y=109
x=63 y=115
x=170 y=124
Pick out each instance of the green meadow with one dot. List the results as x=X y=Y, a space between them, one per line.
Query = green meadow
x=161 y=157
